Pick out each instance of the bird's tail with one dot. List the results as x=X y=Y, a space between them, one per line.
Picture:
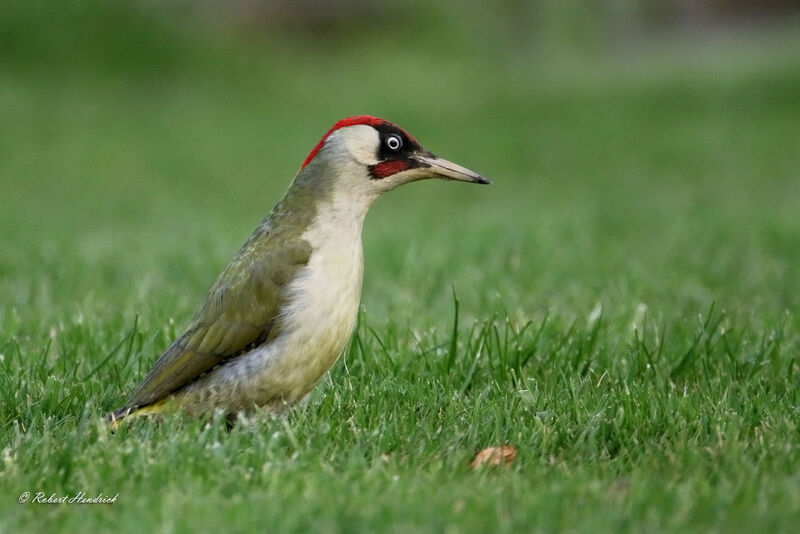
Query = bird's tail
x=130 y=412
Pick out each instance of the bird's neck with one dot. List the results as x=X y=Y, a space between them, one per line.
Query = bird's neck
x=324 y=198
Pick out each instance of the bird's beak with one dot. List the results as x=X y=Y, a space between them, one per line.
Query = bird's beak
x=447 y=170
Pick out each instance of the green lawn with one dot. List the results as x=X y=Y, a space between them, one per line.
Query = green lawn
x=627 y=290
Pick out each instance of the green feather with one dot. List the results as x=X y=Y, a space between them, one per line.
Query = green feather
x=242 y=309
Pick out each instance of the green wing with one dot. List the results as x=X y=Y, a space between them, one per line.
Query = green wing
x=239 y=313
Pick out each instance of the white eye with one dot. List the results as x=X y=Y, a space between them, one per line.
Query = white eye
x=394 y=142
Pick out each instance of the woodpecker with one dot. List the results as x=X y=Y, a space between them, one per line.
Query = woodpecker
x=280 y=314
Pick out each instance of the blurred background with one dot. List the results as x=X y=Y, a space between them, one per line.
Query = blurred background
x=644 y=153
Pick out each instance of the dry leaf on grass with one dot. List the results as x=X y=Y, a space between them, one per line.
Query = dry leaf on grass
x=502 y=455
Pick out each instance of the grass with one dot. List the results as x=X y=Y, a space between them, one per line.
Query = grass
x=621 y=305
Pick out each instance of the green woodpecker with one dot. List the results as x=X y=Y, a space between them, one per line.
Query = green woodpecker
x=283 y=310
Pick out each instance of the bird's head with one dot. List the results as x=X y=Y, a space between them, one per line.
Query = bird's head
x=369 y=156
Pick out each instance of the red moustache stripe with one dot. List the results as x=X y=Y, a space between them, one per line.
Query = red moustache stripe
x=384 y=169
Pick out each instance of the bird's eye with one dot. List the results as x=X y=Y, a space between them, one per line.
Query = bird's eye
x=394 y=142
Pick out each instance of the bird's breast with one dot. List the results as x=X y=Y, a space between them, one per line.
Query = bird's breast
x=321 y=308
